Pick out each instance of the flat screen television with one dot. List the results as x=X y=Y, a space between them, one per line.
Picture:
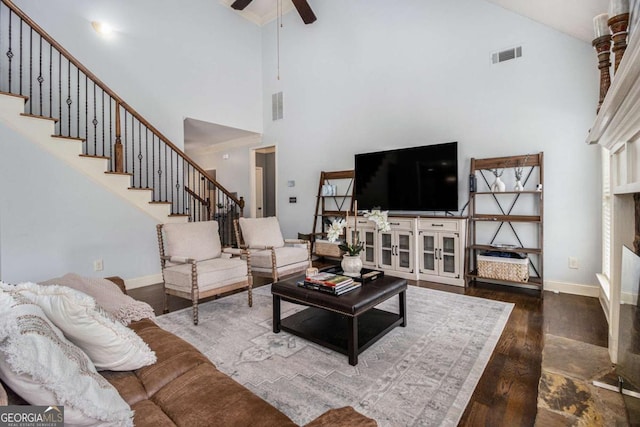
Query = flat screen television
x=409 y=179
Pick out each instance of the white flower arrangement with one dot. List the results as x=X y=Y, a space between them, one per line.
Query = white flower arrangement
x=335 y=229
x=376 y=215
x=380 y=218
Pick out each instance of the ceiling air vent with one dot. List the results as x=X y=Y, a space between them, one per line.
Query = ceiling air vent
x=506 y=55
x=276 y=106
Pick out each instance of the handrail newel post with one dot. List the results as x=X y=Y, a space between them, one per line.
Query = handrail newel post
x=117 y=149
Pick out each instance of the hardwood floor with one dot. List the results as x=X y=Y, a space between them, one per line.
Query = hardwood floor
x=507 y=392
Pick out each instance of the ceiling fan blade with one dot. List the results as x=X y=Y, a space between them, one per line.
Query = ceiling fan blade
x=240 y=4
x=304 y=10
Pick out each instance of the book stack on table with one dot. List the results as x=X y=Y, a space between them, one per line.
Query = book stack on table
x=331 y=283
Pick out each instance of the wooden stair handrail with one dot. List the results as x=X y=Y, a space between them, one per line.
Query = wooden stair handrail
x=205 y=203
x=118 y=99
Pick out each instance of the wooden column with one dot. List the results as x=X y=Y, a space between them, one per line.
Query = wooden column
x=603 y=46
x=117 y=149
x=618 y=25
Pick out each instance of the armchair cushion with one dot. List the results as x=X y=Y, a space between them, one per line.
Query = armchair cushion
x=261 y=232
x=285 y=255
x=197 y=240
x=212 y=273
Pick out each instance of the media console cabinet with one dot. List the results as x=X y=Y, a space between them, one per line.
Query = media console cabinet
x=417 y=247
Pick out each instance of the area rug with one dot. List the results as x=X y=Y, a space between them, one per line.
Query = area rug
x=420 y=375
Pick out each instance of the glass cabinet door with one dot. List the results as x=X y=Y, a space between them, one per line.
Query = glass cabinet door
x=404 y=249
x=368 y=254
x=385 y=258
x=448 y=255
x=428 y=252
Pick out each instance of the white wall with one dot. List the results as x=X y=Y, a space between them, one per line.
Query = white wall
x=167 y=59
x=374 y=74
x=55 y=220
x=232 y=173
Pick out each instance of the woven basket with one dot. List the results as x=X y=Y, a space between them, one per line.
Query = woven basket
x=328 y=249
x=511 y=269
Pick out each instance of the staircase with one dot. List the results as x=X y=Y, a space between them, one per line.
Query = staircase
x=40 y=130
x=52 y=99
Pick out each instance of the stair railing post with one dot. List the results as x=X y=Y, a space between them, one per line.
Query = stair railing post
x=117 y=149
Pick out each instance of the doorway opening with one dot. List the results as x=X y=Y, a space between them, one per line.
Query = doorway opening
x=264 y=182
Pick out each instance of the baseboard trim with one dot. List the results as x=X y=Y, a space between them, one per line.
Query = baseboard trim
x=141 y=282
x=629 y=298
x=572 y=288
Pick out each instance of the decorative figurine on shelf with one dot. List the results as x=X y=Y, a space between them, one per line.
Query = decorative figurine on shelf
x=519 y=169
x=498 y=186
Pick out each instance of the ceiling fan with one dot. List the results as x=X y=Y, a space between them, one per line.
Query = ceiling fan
x=302 y=6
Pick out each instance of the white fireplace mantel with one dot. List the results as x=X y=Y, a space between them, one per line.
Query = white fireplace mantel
x=617 y=128
x=619 y=116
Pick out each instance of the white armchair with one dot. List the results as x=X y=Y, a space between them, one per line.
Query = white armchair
x=194 y=266
x=270 y=255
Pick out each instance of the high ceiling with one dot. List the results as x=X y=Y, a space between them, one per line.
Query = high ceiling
x=573 y=17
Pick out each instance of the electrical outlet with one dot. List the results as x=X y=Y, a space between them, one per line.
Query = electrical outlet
x=573 y=262
x=98 y=265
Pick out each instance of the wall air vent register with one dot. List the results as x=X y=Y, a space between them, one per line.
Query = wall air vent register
x=506 y=55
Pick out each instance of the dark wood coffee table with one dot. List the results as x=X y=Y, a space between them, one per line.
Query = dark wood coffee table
x=349 y=323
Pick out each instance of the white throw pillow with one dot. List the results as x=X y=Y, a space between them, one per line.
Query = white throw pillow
x=260 y=232
x=108 y=343
x=44 y=368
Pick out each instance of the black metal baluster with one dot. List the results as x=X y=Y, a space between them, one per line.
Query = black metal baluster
x=159 y=171
x=166 y=186
x=9 y=51
x=40 y=78
x=146 y=156
x=133 y=149
x=176 y=197
x=126 y=142
x=153 y=164
x=171 y=180
x=60 y=90
x=102 y=123
x=30 y=71
x=140 y=156
x=111 y=142
x=184 y=182
x=69 y=100
x=20 y=60
x=51 y=83
x=95 y=122
x=78 y=102
x=86 y=114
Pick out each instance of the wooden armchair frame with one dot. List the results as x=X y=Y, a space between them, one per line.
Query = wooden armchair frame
x=195 y=294
x=274 y=275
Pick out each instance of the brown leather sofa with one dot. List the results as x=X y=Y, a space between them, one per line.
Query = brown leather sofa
x=183 y=388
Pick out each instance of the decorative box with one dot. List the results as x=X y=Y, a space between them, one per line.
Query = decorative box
x=328 y=249
x=511 y=267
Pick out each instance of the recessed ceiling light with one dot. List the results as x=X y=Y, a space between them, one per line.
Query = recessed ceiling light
x=102 y=28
